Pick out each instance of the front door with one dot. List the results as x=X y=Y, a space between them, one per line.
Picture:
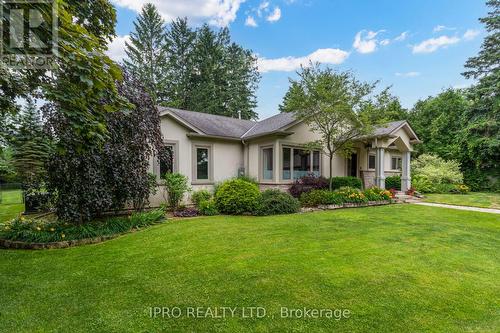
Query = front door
x=352 y=165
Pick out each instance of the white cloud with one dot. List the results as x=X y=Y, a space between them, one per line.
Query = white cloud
x=275 y=15
x=216 y=12
x=365 y=42
x=116 y=49
x=263 y=7
x=401 y=37
x=433 y=44
x=408 y=74
x=250 y=22
x=439 y=28
x=470 y=34
x=288 y=64
x=385 y=42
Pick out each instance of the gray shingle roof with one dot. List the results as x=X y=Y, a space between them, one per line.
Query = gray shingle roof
x=211 y=124
x=270 y=124
x=388 y=128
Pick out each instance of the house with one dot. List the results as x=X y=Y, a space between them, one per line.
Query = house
x=209 y=149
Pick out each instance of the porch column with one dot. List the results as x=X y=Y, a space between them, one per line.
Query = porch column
x=405 y=174
x=379 y=168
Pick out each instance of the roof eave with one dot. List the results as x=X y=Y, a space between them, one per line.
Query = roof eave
x=218 y=137
x=277 y=133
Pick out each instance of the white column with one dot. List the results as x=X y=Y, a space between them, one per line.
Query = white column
x=379 y=168
x=405 y=174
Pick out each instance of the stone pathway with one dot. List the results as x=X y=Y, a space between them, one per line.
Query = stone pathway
x=474 y=209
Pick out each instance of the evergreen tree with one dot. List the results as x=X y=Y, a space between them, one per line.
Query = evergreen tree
x=30 y=146
x=180 y=39
x=147 y=52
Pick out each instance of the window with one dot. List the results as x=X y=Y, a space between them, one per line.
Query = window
x=371 y=161
x=202 y=156
x=267 y=163
x=167 y=159
x=298 y=163
x=396 y=163
x=287 y=171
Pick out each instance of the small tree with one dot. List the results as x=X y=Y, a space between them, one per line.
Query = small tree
x=330 y=103
x=176 y=186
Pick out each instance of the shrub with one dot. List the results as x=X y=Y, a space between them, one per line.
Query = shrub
x=461 y=188
x=393 y=182
x=186 y=212
x=200 y=196
x=274 y=202
x=249 y=179
x=208 y=207
x=44 y=231
x=377 y=194
x=437 y=170
x=237 y=196
x=308 y=183
x=176 y=186
x=443 y=188
x=351 y=195
x=338 y=182
x=316 y=198
x=422 y=184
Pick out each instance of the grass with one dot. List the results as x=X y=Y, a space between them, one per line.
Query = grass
x=403 y=268
x=11 y=204
x=473 y=199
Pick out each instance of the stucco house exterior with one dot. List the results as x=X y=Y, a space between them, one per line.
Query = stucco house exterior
x=208 y=149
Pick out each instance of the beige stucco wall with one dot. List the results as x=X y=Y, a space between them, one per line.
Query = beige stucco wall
x=227 y=157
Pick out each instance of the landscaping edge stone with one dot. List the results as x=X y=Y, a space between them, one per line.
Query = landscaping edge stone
x=346 y=205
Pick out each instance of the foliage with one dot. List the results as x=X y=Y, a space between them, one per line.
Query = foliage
x=200 y=196
x=338 y=182
x=436 y=169
x=7 y=171
x=393 y=182
x=461 y=188
x=237 y=196
x=330 y=103
x=186 y=212
x=208 y=207
x=274 y=202
x=249 y=179
x=308 y=183
x=422 y=184
x=384 y=108
x=343 y=195
x=44 y=231
x=176 y=186
x=90 y=182
x=147 y=52
x=30 y=145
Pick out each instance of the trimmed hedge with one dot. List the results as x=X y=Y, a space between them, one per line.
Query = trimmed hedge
x=274 y=202
x=343 y=195
x=338 y=182
x=237 y=196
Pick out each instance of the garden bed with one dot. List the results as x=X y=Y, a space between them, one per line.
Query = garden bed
x=346 y=205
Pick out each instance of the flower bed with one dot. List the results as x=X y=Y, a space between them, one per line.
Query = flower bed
x=28 y=233
x=346 y=205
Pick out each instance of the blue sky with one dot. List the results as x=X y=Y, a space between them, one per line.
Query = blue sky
x=418 y=47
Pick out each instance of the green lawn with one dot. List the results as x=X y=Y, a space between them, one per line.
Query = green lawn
x=11 y=204
x=476 y=199
x=398 y=268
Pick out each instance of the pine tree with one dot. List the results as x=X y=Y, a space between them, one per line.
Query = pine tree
x=30 y=145
x=180 y=40
x=147 y=52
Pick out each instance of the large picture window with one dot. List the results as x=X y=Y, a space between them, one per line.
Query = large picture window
x=297 y=163
x=267 y=163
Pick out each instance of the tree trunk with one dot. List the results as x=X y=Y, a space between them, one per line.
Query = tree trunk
x=331 y=171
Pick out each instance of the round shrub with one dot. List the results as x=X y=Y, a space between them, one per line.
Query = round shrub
x=199 y=196
x=237 y=196
x=176 y=186
x=274 y=202
x=208 y=207
x=338 y=182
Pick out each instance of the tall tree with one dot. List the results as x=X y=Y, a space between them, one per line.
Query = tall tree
x=147 y=52
x=180 y=43
x=482 y=126
x=384 y=107
x=330 y=103
x=30 y=145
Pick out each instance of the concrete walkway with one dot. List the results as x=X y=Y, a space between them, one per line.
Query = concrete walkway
x=474 y=209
